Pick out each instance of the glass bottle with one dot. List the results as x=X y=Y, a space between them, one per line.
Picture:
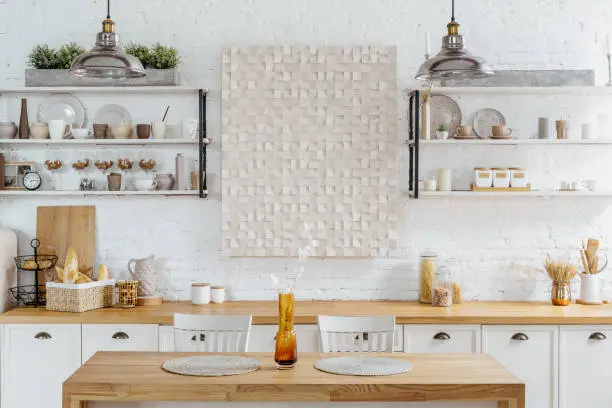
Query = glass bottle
x=426 y=276
x=442 y=295
x=285 y=354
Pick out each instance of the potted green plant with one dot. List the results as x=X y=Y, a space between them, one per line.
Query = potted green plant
x=442 y=133
x=49 y=67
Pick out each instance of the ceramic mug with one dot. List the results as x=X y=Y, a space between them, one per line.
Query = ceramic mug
x=159 y=129
x=100 y=130
x=39 y=131
x=59 y=129
x=121 y=131
x=82 y=133
x=501 y=131
x=8 y=130
x=143 y=131
x=464 y=130
x=190 y=129
x=145 y=184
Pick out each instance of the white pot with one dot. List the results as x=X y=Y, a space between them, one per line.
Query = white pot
x=589 y=288
x=441 y=135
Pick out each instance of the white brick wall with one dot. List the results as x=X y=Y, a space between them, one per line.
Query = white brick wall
x=499 y=244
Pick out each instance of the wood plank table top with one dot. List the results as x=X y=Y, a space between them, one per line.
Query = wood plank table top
x=138 y=376
x=306 y=312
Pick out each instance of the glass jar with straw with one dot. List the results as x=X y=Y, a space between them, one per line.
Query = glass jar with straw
x=561 y=272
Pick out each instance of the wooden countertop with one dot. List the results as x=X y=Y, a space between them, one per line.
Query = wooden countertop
x=137 y=376
x=265 y=312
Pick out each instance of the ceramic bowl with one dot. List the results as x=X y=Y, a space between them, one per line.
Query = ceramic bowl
x=121 y=131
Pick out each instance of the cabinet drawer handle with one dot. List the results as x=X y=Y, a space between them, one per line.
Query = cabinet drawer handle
x=42 y=336
x=121 y=336
x=202 y=337
x=597 y=336
x=193 y=338
x=520 y=337
x=364 y=336
x=442 y=336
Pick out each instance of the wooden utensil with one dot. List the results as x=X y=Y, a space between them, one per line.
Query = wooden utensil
x=59 y=228
x=592 y=248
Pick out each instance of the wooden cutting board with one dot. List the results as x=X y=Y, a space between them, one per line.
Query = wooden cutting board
x=59 y=228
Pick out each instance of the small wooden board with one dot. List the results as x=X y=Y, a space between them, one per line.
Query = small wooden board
x=149 y=301
x=582 y=302
x=501 y=189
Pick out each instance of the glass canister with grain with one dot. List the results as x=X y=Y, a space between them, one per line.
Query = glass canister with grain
x=427 y=271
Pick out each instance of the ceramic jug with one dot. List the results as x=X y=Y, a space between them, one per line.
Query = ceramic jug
x=143 y=271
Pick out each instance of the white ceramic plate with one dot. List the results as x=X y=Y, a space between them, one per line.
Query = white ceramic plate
x=211 y=366
x=112 y=115
x=444 y=111
x=363 y=365
x=62 y=106
x=485 y=119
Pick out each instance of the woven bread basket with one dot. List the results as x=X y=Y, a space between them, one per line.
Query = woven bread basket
x=82 y=297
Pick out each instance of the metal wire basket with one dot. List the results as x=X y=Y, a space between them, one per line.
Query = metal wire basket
x=34 y=295
x=30 y=295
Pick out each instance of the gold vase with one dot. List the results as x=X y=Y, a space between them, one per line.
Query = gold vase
x=561 y=294
x=285 y=354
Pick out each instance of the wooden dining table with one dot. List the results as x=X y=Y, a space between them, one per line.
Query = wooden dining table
x=138 y=377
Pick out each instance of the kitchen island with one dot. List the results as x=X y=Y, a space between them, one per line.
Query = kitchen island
x=138 y=377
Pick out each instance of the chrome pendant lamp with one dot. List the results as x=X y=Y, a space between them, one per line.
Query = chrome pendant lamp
x=453 y=61
x=107 y=59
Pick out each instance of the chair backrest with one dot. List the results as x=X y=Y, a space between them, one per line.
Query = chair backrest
x=341 y=334
x=218 y=334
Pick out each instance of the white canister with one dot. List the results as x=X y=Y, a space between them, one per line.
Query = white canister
x=430 y=185
x=200 y=293
x=518 y=177
x=217 y=294
x=588 y=131
x=501 y=177
x=589 y=288
x=445 y=179
x=483 y=177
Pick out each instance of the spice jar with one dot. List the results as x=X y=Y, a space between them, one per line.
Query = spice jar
x=426 y=276
x=483 y=177
x=501 y=177
x=442 y=295
x=518 y=177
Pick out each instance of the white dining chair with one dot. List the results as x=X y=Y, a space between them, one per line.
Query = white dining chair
x=341 y=334
x=215 y=334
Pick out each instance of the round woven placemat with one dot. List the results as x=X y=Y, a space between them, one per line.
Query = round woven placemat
x=363 y=365
x=211 y=366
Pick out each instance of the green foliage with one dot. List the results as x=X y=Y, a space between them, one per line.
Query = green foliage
x=141 y=52
x=67 y=53
x=442 y=128
x=163 y=57
x=42 y=57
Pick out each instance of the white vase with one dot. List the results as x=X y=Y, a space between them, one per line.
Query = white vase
x=589 y=288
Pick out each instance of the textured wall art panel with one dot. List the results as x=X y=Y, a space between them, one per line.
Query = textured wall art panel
x=309 y=134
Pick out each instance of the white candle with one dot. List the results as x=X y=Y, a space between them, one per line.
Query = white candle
x=445 y=179
x=427 y=44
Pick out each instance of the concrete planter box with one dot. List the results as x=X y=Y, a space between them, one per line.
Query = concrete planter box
x=61 y=77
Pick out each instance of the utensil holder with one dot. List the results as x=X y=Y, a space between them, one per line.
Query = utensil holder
x=589 y=288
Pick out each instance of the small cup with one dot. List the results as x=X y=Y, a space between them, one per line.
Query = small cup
x=465 y=130
x=121 y=131
x=501 y=131
x=100 y=130
x=114 y=182
x=39 y=131
x=143 y=131
x=159 y=130
x=200 y=293
x=217 y=294
x=588 y=131
x=81 y=133
x=562 y=128
x=145 y=184
x=430 y=185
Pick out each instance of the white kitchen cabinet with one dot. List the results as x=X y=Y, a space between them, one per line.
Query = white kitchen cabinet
x=36 y=359
x=126 y=337
x=449 y=338
x=531 y=353
x=584 y=367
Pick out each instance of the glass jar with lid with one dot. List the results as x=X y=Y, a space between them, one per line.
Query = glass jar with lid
x=442 y=295
x=429 y=261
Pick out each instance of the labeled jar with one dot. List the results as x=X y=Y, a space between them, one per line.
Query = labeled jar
x=518 y=177
x=442 y=295
x=427 y=272
x=483 y=177
x=501 y=177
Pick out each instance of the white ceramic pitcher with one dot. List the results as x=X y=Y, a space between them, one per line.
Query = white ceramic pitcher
x=143 y=271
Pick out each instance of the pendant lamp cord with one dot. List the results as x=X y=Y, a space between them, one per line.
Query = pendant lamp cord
x=452 y=17
x=108 y=9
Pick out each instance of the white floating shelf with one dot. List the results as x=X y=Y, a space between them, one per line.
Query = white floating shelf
x=99 y=142
x=520 y=90
x=100 y=89
x=513 y=142
x=168 y=193
x=536 y=193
